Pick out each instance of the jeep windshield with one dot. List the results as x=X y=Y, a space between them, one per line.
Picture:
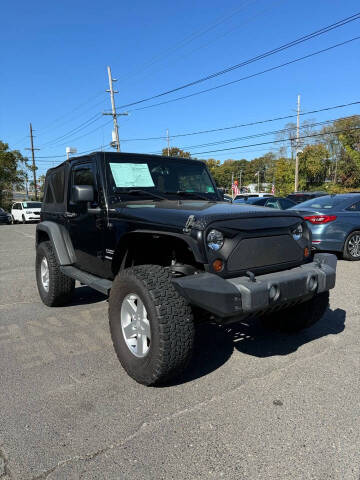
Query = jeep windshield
x=158 y=176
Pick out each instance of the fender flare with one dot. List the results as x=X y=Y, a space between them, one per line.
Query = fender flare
x=60 y=239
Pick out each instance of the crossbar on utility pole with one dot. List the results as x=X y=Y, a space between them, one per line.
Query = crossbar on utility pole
x=33 y=159
x=297 y=145
x=113 y=113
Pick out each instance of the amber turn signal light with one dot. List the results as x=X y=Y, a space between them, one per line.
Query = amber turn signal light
x=306 y=252
x=218 y=265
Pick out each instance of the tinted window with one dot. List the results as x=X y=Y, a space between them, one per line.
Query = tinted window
x=354 y=208
x=299 y=198
x=257 y=201
x=49 y=198
x=285 y=203
x=83 y=175
x=58 y=182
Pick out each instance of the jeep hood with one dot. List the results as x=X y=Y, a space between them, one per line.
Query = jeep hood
x=174 y=215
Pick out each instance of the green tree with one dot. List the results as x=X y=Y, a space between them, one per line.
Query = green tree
x=11 y=176
x=284 y=176
x=176 y=152
x=314 y=162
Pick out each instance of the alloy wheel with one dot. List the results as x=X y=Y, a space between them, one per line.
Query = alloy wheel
x=354 y=246
x=135 y=325
x=44 y=274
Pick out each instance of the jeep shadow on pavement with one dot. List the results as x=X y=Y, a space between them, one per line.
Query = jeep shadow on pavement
x=155 y=235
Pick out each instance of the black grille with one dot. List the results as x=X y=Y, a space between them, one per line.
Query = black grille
x=264 y=251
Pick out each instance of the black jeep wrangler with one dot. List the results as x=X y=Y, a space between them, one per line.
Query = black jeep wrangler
x=155 y=235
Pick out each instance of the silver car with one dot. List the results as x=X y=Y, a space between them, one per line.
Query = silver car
x=335 y=223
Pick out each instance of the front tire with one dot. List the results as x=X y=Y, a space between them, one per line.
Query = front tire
x=352 y=246
x=299 y=317
x=55 y=288
x=23 y=219
x=151 y=325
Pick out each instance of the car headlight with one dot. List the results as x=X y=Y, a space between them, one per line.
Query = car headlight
x=215 y=240
x=297 y=232
x=28 y=212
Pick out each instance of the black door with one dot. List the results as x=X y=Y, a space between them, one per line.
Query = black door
x=86 y=229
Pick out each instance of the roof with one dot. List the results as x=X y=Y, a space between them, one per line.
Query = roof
x=119 y=155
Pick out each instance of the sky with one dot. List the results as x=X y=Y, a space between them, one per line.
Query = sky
x=54 y=58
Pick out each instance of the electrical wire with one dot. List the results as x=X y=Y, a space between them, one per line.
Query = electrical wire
x=83 y=125
x=275 y=141
x=302 y=39
x=200 y=132
x=249 y=76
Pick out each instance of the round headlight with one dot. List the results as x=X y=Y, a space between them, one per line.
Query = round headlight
x=297 y=232
x=215 y=240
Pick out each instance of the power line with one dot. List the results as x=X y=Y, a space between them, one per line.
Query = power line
x=249 y=76
x=274 y=141
x=186 y=41
x=83 y=125
x=200 y=132
x=256 y=135
x=302 y=39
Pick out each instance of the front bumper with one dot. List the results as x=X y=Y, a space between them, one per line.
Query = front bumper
x=243 y=296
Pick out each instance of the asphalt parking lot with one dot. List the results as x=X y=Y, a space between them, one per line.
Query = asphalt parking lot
x=254 y=404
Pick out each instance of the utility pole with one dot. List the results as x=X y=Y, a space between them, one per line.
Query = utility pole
x=33 y=159
x=168 y=142
x=113 y=113
x=258 y=175
x=297 y=145
x=240 y=177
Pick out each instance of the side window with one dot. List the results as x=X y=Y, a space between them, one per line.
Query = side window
x=354 y=208
x=58 y=183
x=272 y=204
x=20 y=206
x=83 y=175
x=49 y=197
x=285 y=203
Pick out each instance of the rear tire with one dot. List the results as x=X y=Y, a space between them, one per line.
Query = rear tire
x=151 y=325
x=352 y=247
x=299 y=317
x=55 y=288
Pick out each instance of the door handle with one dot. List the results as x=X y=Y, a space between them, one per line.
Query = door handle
x=69 y=214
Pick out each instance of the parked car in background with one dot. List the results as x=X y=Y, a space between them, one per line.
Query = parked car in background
x=335 y=223
x=227 y=198
x=5 y=218
x=279 y=203
x=25 y=212
x=243 y=197
x=299 y=197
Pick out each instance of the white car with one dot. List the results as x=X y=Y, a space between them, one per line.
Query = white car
x=26 y=212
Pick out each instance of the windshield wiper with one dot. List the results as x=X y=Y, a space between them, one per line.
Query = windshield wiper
x=193 y=194
x=139 y=191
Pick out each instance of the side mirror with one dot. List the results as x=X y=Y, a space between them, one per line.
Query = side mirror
x=82 y=193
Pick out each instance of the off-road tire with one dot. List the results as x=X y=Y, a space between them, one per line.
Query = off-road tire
x=171 y=324
x=61 y=287
x=346 y=253
x=299 y=317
